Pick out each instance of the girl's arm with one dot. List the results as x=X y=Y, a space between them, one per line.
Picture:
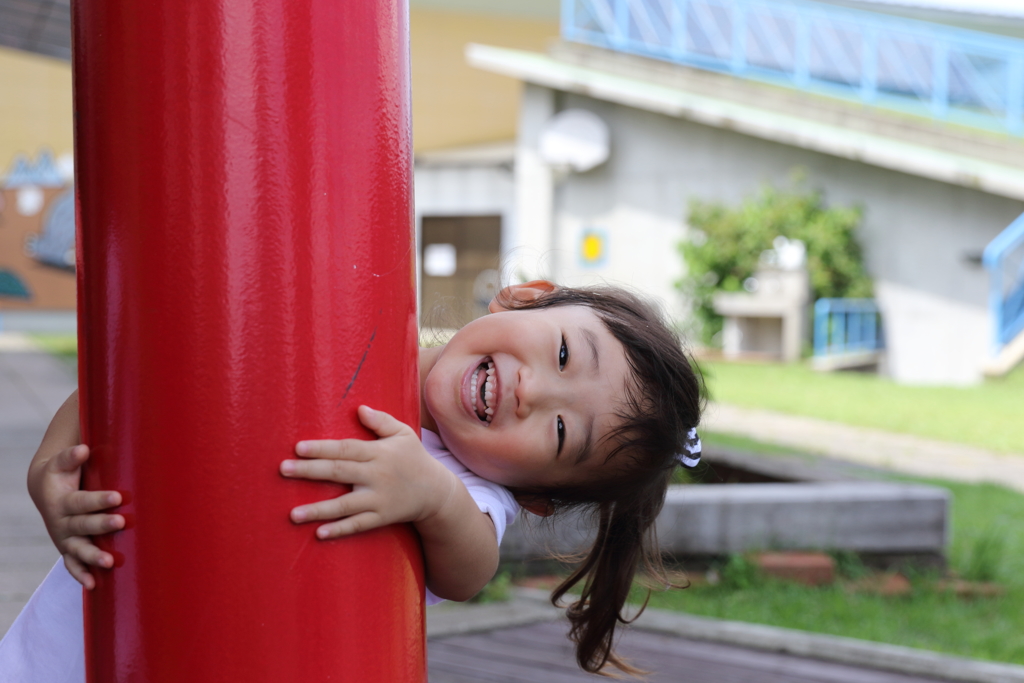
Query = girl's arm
x=394 y=480
x=460 y=546
x=71 y=516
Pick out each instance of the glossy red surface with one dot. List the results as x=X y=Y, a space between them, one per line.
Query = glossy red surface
x=246 y=281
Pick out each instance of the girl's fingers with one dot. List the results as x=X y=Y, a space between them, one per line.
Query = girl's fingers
x=335 y=508
x=70 y=459
x=355 y=524
x=94 y=525
x=380 y=423
x=337 y=471
x=84 y=502
x=79 y=572
x=83 y=550
x=326 y=449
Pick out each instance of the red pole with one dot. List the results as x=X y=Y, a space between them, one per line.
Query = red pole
x=246 y=281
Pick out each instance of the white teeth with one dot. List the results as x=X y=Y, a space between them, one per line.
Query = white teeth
x=489 y=382
x=487 y=392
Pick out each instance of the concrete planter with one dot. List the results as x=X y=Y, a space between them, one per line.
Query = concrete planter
x=827 y=510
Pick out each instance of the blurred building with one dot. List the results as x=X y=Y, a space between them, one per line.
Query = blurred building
x=920 y=123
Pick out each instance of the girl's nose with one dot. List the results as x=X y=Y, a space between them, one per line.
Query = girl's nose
x=526 y=392
x=536 y=391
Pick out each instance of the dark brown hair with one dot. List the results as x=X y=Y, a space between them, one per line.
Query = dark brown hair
x=663 y=402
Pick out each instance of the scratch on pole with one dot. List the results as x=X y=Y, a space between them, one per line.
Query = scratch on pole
x=359 y=367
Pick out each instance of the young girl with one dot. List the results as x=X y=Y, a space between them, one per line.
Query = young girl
x=561 y=398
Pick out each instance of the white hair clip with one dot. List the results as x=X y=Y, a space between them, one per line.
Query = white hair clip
x=691 y=457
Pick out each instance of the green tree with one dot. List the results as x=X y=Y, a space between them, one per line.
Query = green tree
x=726 y=243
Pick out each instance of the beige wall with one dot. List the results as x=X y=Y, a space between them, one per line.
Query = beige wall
x=452 y=103
x=35 y=105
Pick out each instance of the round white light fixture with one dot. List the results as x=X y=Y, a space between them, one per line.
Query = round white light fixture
x=576 y=139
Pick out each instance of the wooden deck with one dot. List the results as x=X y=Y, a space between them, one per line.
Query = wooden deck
x=540 y=653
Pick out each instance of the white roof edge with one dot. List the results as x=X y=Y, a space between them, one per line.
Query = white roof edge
x=480 y=154
x=870 y=149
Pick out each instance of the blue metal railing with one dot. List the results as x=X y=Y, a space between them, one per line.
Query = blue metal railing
x=1004 y=258
x=843 y=326
x=928 y=69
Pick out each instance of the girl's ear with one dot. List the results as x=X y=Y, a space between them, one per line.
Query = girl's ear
x=542 y=507
x=528 y=291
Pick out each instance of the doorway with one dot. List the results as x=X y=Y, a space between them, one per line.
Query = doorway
x=460 y=261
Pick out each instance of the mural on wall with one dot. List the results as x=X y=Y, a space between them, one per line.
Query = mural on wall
x=37 y=233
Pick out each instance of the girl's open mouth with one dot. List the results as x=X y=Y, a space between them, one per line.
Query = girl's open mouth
x=483 y=386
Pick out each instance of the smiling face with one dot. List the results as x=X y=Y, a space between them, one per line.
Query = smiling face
x=525 y=398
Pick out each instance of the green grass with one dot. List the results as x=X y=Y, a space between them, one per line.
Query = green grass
x=990 y=628
x=987 y=415
x=64 y=346
x=987 y=545
x=743 y=443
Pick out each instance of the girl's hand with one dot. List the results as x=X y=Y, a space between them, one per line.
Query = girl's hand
x=393 y=479
x=72 y=516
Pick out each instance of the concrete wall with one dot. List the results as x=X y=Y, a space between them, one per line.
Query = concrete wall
x=862 y=516
x=921 y=237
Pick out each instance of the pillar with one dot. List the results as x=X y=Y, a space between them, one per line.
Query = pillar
x=245 y=281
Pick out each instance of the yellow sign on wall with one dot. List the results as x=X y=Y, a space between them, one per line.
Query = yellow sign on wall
x=593 y=247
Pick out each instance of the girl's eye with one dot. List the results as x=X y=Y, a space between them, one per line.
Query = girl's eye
x=561 y=432
x=563 y=355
